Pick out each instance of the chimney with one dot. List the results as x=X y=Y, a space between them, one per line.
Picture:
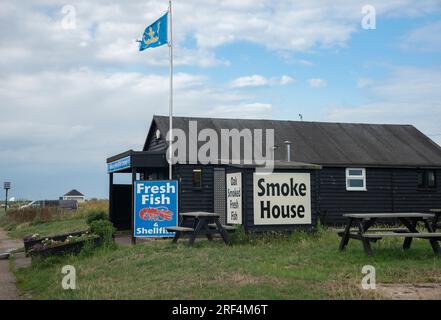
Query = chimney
x=288 y=150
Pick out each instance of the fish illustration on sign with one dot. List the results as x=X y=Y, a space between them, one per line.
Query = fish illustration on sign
x=156 y=214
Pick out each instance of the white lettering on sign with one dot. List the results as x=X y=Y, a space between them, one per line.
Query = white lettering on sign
x=154 y=195
x=234 y=198
x=282 y=198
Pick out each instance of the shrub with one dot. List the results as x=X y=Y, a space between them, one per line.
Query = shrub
x=104 y=229
x=240 y=236
x=96 y=215
x=88 y=249
x=89 y=207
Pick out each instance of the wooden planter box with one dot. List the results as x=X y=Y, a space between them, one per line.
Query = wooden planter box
x=28 y=244
x=65 y=248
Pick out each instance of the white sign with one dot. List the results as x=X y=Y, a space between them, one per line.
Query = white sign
x=282 y=198
x=234 y=198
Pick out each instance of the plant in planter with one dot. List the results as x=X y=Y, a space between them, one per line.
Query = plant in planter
x=50 y=242
x=101 y=232
x=71 y=244
x=31 y=237
x=31 y=240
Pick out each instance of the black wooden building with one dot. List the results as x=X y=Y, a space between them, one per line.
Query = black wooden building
x=353 y=168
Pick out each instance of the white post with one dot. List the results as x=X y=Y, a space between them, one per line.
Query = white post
x=170 y=44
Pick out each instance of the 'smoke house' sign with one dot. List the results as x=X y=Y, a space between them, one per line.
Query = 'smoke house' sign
x=282 y=198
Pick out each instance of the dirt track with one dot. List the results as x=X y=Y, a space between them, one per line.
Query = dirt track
x=8 y=290
x=423 y=291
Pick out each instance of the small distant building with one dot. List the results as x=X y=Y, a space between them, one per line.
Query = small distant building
x=74 y=195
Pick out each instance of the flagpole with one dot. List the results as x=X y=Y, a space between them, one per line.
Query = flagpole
x=170 y=44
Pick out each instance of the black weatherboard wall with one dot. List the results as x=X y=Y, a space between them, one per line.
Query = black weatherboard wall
x=195 y=198
x=121 y=206
x=388 y=190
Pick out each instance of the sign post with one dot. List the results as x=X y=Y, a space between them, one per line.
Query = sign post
x=155 y=208
x=6 y=186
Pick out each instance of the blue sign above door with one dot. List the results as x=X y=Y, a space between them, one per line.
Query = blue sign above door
x=156 y=207
x=119 y=164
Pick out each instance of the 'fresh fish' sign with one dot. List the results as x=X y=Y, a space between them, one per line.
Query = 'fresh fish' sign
x=156 y=207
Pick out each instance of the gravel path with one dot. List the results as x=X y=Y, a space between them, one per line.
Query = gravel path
x=8 y=290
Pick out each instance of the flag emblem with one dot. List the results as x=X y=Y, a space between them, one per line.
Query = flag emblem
x=155 y=35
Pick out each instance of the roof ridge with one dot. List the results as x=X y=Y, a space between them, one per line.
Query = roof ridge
x=325 y=143
x=285 y=120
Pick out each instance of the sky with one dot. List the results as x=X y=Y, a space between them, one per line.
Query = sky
x=74 y=89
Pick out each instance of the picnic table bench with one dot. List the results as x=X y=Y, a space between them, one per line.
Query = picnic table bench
x=204 y=223
x=436 y=219
x=364 y=233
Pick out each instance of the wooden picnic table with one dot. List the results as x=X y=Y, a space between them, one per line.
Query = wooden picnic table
x=204 y=223
x=364 y=221
x=436 y=219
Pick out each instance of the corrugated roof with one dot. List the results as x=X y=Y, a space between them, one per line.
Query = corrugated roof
x=332 y=143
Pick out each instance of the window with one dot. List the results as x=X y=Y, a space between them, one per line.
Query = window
x=197 y=178
x=427 y=179
x=355 y=179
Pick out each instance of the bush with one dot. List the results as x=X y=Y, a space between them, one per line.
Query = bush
x=91 y=206
x=240 y=236
x=96 y=215
x=104 y=229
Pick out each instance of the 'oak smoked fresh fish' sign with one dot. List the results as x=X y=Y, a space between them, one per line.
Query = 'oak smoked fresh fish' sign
x=156 y=207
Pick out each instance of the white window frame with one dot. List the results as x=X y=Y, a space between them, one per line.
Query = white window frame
x=349 y=178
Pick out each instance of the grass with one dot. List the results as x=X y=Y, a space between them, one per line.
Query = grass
x=298 y=266
x=50 y=221
x=49 y=229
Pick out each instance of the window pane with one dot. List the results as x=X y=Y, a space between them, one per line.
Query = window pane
x=356 y=183
x=197 y=178
x=420 y=179
x=355 y=172
x=431 y=179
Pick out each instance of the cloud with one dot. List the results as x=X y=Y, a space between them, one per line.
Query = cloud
x=364 y=82
x=306 y=63
x=71 y=97
x=57 y=116
x=250 y=81
x=317 y=83
x=33 y=37
x=409 y=95
x=425 y=39
x=284 y=80
x=255 y=81
x=57 y=128
x=244 y=110
x=289 y=25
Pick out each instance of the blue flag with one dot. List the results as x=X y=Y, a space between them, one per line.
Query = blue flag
x=155 y=35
